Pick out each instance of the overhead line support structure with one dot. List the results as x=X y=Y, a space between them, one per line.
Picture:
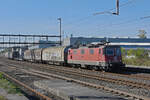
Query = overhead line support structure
x=29 y=35
x=7 y=39
x=60 y=30
x=117 y=8
x=114 y=13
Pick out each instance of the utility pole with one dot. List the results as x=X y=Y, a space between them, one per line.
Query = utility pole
x=117 y=8
x=60 y=29
x=114 y=13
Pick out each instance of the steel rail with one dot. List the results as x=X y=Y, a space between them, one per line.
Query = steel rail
x=91 y=85
x=94 y=86
x=98 y=77
x=116 y=74
x=38 y=94
x=129 y=76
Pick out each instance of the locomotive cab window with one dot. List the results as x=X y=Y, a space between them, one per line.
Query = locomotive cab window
x=103 y=51
x=118 y=51
x=91 y=51
x=82 y=51
x=109 y=51
x=74 y=51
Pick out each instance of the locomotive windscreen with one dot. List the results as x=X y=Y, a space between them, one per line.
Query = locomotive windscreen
x=111 y=51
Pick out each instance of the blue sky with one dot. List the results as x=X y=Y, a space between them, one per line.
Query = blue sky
x=40 y=17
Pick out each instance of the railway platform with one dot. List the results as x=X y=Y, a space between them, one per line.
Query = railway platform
x=141 y=67
x=136 y=69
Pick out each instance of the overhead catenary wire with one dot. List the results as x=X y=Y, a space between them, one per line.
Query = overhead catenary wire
x=145 y=17
x=128 y=21
x=123 y=4
x=123 y=22
x=109 y=11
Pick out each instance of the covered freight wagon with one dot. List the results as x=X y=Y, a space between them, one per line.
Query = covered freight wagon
x=38 y=55
x=21 y=53
x=57 y=55
x=29 y=55
x=12 y=55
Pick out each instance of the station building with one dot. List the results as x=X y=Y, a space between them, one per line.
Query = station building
x=43 y=44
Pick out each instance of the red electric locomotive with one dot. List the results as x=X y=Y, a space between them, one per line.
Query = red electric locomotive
x=105 y=57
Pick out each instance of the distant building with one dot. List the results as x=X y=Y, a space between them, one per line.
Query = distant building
x=124 y=42
x=44 y=44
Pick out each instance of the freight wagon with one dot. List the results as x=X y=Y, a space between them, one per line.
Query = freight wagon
x=38 y=55
x=29 y=55
x=55 y=55
x=102 y=56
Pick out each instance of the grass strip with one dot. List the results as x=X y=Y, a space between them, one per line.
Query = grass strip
x=2 y=98
x=8 y=86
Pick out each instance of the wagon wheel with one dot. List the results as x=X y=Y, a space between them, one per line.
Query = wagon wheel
x=96 y=68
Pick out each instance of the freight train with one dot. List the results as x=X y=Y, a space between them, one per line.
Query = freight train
x=102 y=56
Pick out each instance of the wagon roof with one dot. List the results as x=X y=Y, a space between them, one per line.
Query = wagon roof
x=95 y=46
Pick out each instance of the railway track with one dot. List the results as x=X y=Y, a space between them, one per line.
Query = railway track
x=21 y=84
x=49 y=76
x=134 y=76
x=76 y=72
x=100 y=73
x=98 y=77
x=130 y=76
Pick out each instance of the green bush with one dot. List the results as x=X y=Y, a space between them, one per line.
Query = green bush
x=141 y=57
x=2 y=98
x=10 y=87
